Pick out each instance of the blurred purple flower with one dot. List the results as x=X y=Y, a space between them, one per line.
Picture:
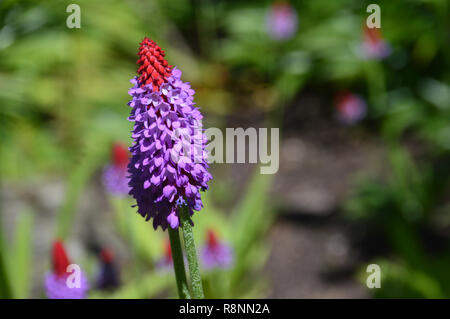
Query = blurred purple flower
x=166 y=261
x=115 y=180
x=115 y=177
x=216 y=254
x=281 y=21
x=168 y=167
x=56 y=286
x=109 y=277
x=373 y=46
x=351 y=108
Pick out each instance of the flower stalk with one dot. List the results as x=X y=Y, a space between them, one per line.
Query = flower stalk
x=189 y=245
x=178 y=264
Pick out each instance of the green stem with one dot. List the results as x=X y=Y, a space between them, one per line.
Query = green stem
x=189 y=245
x=178 y=264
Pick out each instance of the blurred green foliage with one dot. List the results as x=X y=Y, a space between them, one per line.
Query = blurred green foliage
x=244 y=231
x=16 y=260
x=63 y=102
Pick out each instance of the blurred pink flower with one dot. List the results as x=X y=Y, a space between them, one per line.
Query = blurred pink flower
x=351 y=108
x=373 y=46
x=281 y=21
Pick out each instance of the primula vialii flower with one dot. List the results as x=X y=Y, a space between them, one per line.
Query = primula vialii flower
x=374 y=47
x=56 y=285
x=351 y=108
x=115 y=175
x=108 y=277
x=168 y=166
x=215 y=253
x=281 y=21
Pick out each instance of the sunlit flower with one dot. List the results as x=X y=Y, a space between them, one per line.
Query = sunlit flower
x=115 y=175
x=215 y=253
x=168 y=167
x=351 y=108
x=281 y=21
x=58 y=285
x=373 y=46
x=109 y=277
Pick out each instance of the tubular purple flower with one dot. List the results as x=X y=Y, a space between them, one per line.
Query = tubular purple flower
x=115 y=177
x=56 y=286
x=168 y=167
x=216 y=254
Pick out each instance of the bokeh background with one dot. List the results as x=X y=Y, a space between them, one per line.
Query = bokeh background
x=364 y=151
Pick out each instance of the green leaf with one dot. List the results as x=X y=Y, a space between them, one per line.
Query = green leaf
x=20 y=256
x=5 y=285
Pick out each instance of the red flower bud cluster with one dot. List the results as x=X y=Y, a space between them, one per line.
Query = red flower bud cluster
x=154 y=68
